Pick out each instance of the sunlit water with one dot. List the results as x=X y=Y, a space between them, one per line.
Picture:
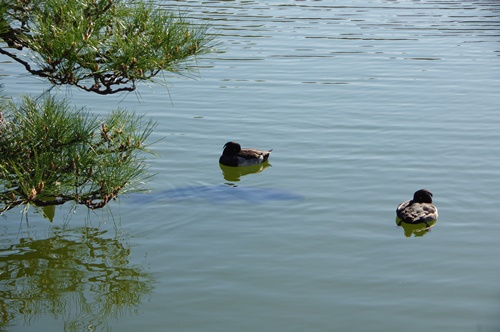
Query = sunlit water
x=363 y=102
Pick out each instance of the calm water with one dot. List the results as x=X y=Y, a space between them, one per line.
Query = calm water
x=363 y=102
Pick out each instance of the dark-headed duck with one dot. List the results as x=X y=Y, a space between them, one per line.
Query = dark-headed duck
x=419 y=209
x=234 y=155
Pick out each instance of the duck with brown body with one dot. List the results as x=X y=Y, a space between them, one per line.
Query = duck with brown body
x=233 y=155
x=419 y=209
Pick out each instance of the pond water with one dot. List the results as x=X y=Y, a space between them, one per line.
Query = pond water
x=363 y=103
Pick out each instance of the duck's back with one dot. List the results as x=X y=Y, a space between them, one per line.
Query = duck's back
x=253 y=155
x=246 y=157
x=416 y=212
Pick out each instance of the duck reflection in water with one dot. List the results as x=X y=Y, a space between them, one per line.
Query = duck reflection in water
x=418 y=230
x=417 y=215
x=233 y=174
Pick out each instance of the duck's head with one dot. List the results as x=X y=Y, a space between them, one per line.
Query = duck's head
x=231 y=149
x=422 y=196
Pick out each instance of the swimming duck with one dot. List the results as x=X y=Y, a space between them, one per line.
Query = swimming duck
x=418 y=210
x=234 y=155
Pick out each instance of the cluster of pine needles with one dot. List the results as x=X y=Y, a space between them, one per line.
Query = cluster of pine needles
x=51 y=153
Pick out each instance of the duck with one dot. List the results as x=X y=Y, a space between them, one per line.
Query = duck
x=233 y=155
x=419 y=209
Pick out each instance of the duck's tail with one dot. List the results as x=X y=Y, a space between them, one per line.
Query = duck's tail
x=266 y=156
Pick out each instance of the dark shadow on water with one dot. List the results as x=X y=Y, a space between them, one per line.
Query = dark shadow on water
x=217 y=194
x=81 y=276
x=417 y=230
x=233 y=174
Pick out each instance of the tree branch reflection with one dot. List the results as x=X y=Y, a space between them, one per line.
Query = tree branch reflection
x=80 y=275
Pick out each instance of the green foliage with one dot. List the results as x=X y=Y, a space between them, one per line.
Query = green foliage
x=51 y=154
x=82 y=274
x=98 y=45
